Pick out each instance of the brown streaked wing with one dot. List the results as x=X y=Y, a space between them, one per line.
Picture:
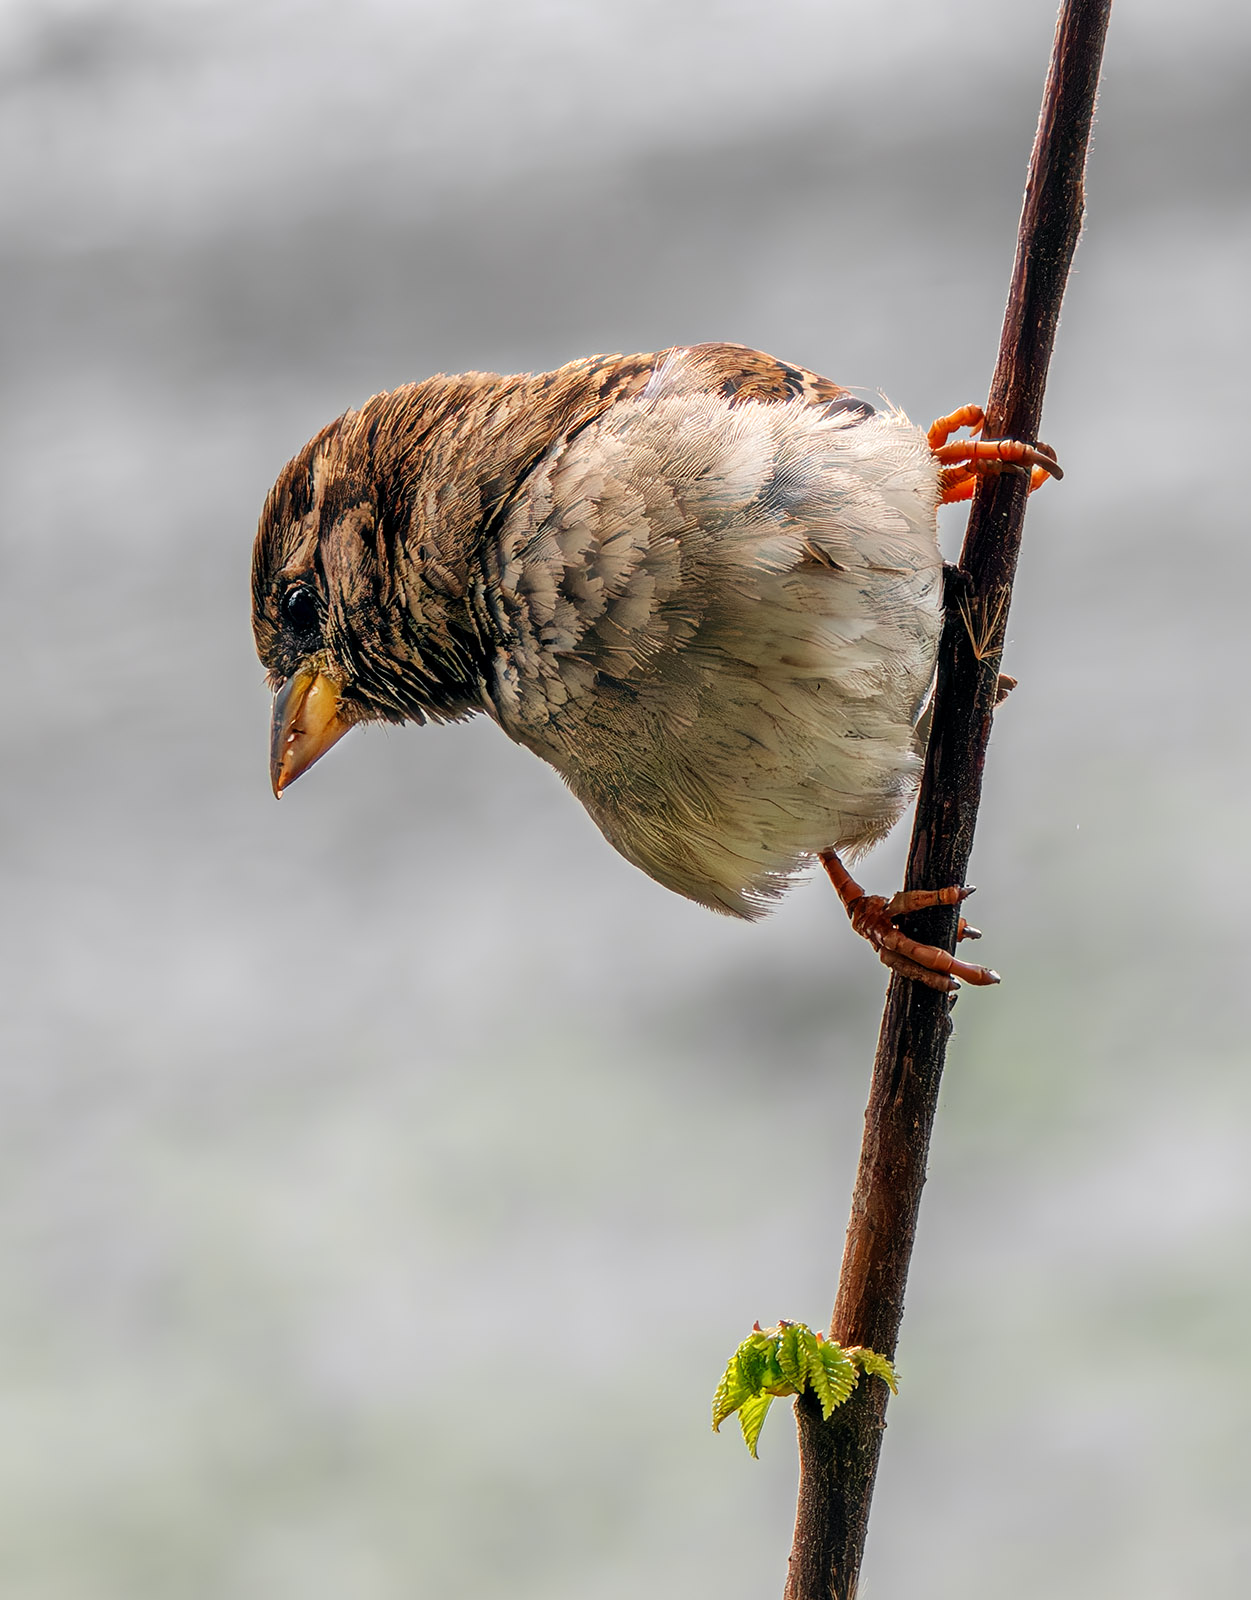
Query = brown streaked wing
x=741 y=373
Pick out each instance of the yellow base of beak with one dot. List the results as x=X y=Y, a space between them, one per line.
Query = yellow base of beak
x=306 y=722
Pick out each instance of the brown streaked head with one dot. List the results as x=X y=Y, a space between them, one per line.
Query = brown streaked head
x=347 y=622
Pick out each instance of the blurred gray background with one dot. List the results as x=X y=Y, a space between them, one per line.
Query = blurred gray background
x=388 y=1174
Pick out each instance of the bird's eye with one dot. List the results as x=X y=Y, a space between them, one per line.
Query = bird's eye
x=299 y=609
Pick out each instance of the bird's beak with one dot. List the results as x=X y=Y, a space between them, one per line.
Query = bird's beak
x=306 y=723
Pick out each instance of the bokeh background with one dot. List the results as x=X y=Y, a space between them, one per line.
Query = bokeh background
x=388 y=1174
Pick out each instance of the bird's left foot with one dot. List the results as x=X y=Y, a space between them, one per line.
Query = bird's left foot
x=873 y=918
x=970 y=459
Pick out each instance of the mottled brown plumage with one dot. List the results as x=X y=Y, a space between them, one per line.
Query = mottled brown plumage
x=703 y=583
x=419 y=473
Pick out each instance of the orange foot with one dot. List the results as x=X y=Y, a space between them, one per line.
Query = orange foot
x=982 y=456
x=873 y=918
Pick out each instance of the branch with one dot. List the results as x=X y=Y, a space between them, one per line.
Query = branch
x=838 y=1458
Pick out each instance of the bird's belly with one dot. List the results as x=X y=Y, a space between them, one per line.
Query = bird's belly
x=725 y=794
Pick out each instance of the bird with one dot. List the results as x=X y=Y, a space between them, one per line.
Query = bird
x=703 y=583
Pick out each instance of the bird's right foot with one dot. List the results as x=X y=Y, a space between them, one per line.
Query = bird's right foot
x=872 y=916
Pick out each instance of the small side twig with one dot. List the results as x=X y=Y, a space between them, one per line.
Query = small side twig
x=983 y=622
x=838 y=1456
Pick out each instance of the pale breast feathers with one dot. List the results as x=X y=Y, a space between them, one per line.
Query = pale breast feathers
x=720 y=621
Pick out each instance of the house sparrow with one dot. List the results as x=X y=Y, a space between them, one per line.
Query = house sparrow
x=703 y=584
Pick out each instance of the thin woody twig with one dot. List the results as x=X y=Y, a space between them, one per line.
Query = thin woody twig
x=838 y=1458
x=983 y=618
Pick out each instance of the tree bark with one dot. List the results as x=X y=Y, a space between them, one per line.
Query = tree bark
x=838 y=1458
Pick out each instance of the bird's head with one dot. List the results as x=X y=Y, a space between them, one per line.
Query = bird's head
x=357 y=617
x=367 y=585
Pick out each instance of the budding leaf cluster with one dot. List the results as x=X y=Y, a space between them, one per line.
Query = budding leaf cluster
x=790 y=1359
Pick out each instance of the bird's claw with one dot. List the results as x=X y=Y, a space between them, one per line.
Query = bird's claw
x=970 y=459
x=872 y=916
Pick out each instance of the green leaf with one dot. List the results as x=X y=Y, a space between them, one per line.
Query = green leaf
x=731 y=1392
x=772 y=1379
x=818 y=1376
x=751 y=1356
x=877 y=1366
x=840 y=1373
x=791 y=1355
x=751 y=1417
x=752 y=1369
